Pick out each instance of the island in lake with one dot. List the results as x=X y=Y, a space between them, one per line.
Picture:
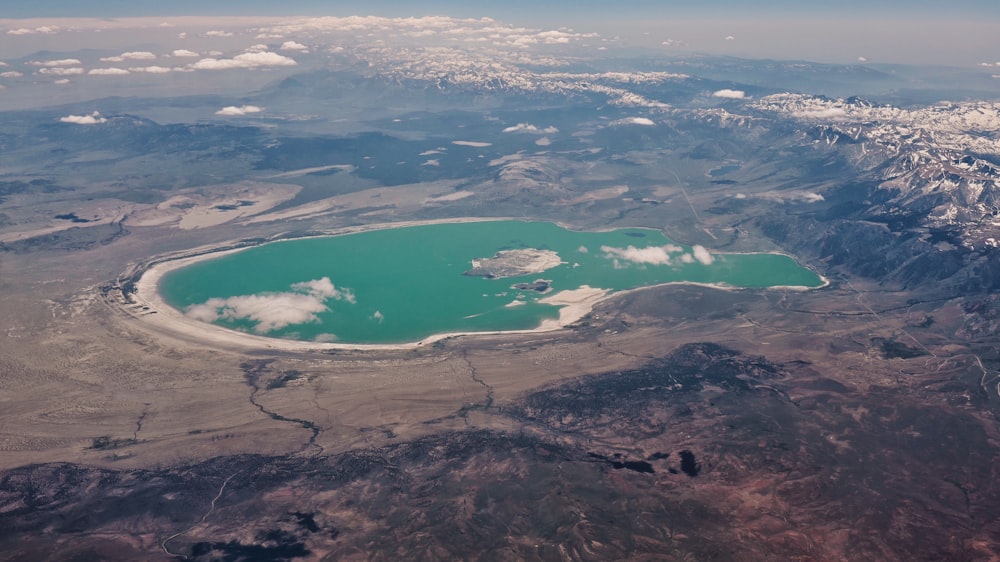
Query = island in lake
x=514 y=263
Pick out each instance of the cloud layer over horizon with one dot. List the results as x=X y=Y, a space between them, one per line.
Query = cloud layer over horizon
x=782 y=30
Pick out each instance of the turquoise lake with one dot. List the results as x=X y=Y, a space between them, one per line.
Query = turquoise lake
x=404 y=284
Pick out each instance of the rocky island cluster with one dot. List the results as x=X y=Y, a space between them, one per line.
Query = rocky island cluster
x=538 y=285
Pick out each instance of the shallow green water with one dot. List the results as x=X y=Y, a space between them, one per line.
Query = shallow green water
x=404 y=284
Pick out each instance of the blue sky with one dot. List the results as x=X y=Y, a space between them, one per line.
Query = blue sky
x=526 y=9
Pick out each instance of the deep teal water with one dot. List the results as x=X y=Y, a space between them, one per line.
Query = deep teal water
x=404 y=284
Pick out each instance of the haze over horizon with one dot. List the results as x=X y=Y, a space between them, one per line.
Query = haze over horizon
x=960 y=34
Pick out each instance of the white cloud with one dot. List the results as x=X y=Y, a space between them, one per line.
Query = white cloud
x=482 y=31
x=182 y=35
x=521 y=127
x=152 y=69
x=133 y=55
x=862 y=59
x=11 y=74
x=473 y=144
x=245 y=60
x=730 y=94
x=2 y=64
x=108 y=71
x=60 y=62
x=218 y=33
x=267 y=312
x=62 y=81
x=544 y=141
x=730 y=38
x=657 y=255
x=702 y=255
x=653 y=255
x=529 y=128
x=555 y=37
x=273 y=311
x=61 y=71
x=232 y=110
x=92 y=119
x=258 y=48
x=293 y=46
x=324 y=288
x=634 y=121
x=184 y=53
x=47 y=30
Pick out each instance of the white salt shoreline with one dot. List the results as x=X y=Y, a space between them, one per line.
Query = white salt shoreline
x=574 y=303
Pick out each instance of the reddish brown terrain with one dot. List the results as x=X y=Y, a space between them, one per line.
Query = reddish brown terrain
x=721 y=433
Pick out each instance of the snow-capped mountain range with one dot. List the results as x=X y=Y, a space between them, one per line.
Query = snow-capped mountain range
x=487 y=71
x=940 y=161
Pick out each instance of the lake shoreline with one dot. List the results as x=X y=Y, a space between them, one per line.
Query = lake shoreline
x=574 y=304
